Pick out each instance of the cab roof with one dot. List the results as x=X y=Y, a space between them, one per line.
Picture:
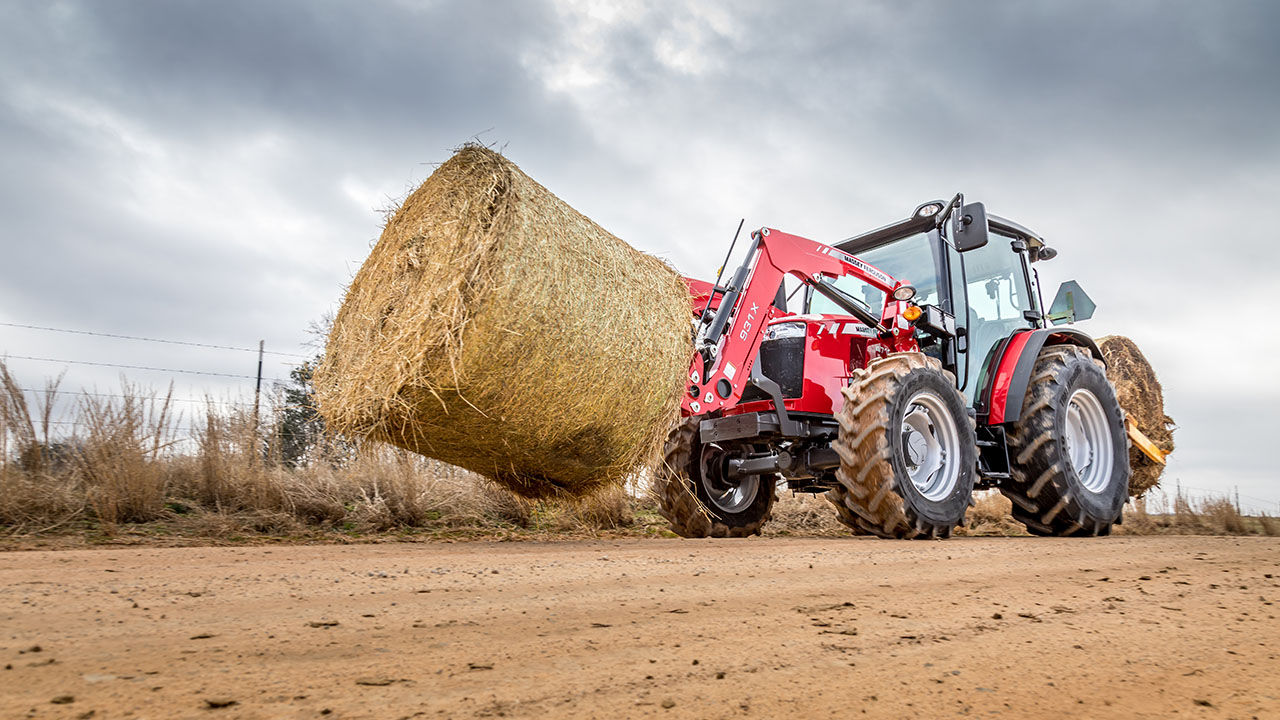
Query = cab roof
x=915 y=224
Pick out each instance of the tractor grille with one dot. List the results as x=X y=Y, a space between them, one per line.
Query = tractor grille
x=782 y=361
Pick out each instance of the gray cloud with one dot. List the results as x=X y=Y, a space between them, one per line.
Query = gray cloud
x=212 y=170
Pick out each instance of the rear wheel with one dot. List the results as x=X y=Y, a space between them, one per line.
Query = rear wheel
x=1069 y=450
x=696 y=495
x=907 y=450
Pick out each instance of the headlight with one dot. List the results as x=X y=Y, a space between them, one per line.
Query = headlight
x=928 y=209
x=904 y=292
x=785 y=330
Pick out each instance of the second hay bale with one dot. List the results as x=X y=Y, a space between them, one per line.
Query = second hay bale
x=495 y=328
x=1142 y=398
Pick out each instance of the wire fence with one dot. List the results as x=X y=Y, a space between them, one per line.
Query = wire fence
x=147 y=339
x=68 y=419
x=65 y=361
x=122 y=396
x=1159 y=500
x=1163 y=500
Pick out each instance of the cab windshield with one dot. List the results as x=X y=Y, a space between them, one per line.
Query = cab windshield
x=910 y=259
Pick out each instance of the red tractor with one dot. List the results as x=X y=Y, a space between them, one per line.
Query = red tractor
x=915 y=366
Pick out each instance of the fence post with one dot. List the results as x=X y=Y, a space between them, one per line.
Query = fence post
x=257 y=393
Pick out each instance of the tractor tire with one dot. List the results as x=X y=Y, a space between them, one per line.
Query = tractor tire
x=1069 y=450
x=693 y=508
x=899 y=413
x=1142 y=398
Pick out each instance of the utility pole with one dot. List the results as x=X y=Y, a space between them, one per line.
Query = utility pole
x=1237 y=499
x=257 y=391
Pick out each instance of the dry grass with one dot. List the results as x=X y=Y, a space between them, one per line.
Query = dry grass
x=1190 y=516
x=497 y=329
x=1270 y=526
x=804 y=514
x=126 y=472
x=126 y=467
x=116 y=459
x=36 y=491
x=991 y=515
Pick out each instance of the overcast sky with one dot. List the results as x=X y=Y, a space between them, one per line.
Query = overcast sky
x=216 y=171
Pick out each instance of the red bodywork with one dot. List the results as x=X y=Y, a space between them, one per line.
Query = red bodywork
x=1004 y=377
x=1003 y=391
x=700 y=290
x=834 y=345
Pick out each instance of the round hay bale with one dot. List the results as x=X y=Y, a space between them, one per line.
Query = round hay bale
x=1140 y=395
x=496 y=328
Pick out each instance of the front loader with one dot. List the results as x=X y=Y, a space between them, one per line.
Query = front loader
x=915 y=366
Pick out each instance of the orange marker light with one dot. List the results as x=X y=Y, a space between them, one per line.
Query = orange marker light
x=912 y=313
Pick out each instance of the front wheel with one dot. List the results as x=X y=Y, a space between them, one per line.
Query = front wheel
x=696 y=495
x=908 y=454
x=1069 y=449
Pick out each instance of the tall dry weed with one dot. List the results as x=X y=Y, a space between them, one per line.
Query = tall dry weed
x=1138 y=520
x=391 y=488
x=118 y=459
x=1222 y=517
x=26 y=432
x=1191 y=516
x=1184 y=513
x=233 y=473
x=1270 y=526
x=33 y=496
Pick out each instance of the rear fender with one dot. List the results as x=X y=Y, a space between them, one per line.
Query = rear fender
x=1007 y=385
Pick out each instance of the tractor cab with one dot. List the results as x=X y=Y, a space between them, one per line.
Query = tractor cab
x=977 y=290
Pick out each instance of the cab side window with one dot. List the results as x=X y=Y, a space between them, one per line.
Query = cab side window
x=998 y=295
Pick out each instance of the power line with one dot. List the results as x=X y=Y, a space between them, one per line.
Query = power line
x=147 y=339
x=142 y=367
x=155 y=398
x=1258 y=499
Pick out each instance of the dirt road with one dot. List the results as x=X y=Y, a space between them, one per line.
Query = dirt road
x=1009 y=627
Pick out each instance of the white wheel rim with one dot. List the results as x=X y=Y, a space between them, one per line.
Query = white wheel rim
x=931 y=446
x=1088 y=441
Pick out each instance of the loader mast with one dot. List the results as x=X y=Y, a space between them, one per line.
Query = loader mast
x=722 y=366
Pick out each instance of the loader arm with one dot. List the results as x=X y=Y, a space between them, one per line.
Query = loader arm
x=727 y=347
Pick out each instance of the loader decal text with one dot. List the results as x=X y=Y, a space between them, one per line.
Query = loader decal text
x=856 y=262
x=746 y=324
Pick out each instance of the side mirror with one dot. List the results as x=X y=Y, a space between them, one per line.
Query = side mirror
x=971 y=229
x=1071 y=304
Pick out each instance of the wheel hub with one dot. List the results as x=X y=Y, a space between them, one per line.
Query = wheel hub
x=730 y=496
x=1088 y=441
